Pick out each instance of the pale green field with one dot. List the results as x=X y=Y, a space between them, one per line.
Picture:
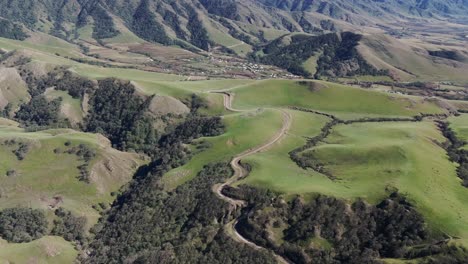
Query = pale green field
x=48 y=46
x=310 y=64
x=274 y=168
x=459 y=124
x=371 y=158
x=95 y=72
x=244 y=131
x=344 y=101
x=47 y=250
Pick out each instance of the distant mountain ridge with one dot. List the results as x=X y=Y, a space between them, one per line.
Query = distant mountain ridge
x=189 y=20
x=246 y=28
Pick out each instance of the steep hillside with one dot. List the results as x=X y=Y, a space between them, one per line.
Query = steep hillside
x=202 y=24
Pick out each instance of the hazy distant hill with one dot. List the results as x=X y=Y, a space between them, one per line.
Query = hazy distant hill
x=194 y=21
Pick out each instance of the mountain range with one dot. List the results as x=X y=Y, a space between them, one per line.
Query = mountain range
x=187 y=20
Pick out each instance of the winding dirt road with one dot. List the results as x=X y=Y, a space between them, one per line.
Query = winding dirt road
x=240 y=172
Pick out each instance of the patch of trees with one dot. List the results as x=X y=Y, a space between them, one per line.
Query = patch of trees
x=21 y=148
x=170 y=151
x=339 y=55
x=195 y=102
x=6 y=111
x=235 y=32
x=222 y=8
x=344 y=60
x=360 y=233
x=39 y=112
x=76 y=86
x=11 y=30
x=119 y=114
x=21 y=225
x=104 y=26
x=150 y=225
x=307 y=26
x=146 y=26
x=21 y=151
x=307 y=160
x=68 y=226
x=199 y=35
x=173 y=21
x=446 y=54
x=456 y=153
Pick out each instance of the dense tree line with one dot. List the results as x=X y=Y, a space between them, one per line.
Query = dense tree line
x=222 y=8
x=339 y=56
x=104 y=26
x=68 y=226
x=150 y=225
x=76 y=86
x=146 y=26
x=456 y=153
x=11 y=30
x=20 y=225
x=40 y=112
x=199 y=36
x=119 y=114
x=446 y=54
x=360 y=233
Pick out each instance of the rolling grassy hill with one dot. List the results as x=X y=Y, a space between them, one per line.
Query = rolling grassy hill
x=372 y=158
x=47 y=176
x=45 y=250
x=368 y=160
x=274 y=168
x=343 y=101
x=245 y=131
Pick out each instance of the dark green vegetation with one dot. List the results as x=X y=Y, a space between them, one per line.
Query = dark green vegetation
x=39 y=112
x=11 y=30
x=22 y=224
x=68 y=226
x=146 y=26
x=199 y=35
x=118 y=113
x=184 y=225
x=455 y=151
x=338 y=55
x=328 y=231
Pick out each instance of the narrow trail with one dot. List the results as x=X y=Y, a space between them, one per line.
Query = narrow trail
x=240 y=172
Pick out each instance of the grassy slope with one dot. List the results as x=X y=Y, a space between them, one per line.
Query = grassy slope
x=386 y=52
x=47 y=54
x=460 y=125
x=344 y=101
x=310 y=64
x=372 y=157
x=274 y=168
x=44 y=174
x=244 y=131
x=47 y=250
